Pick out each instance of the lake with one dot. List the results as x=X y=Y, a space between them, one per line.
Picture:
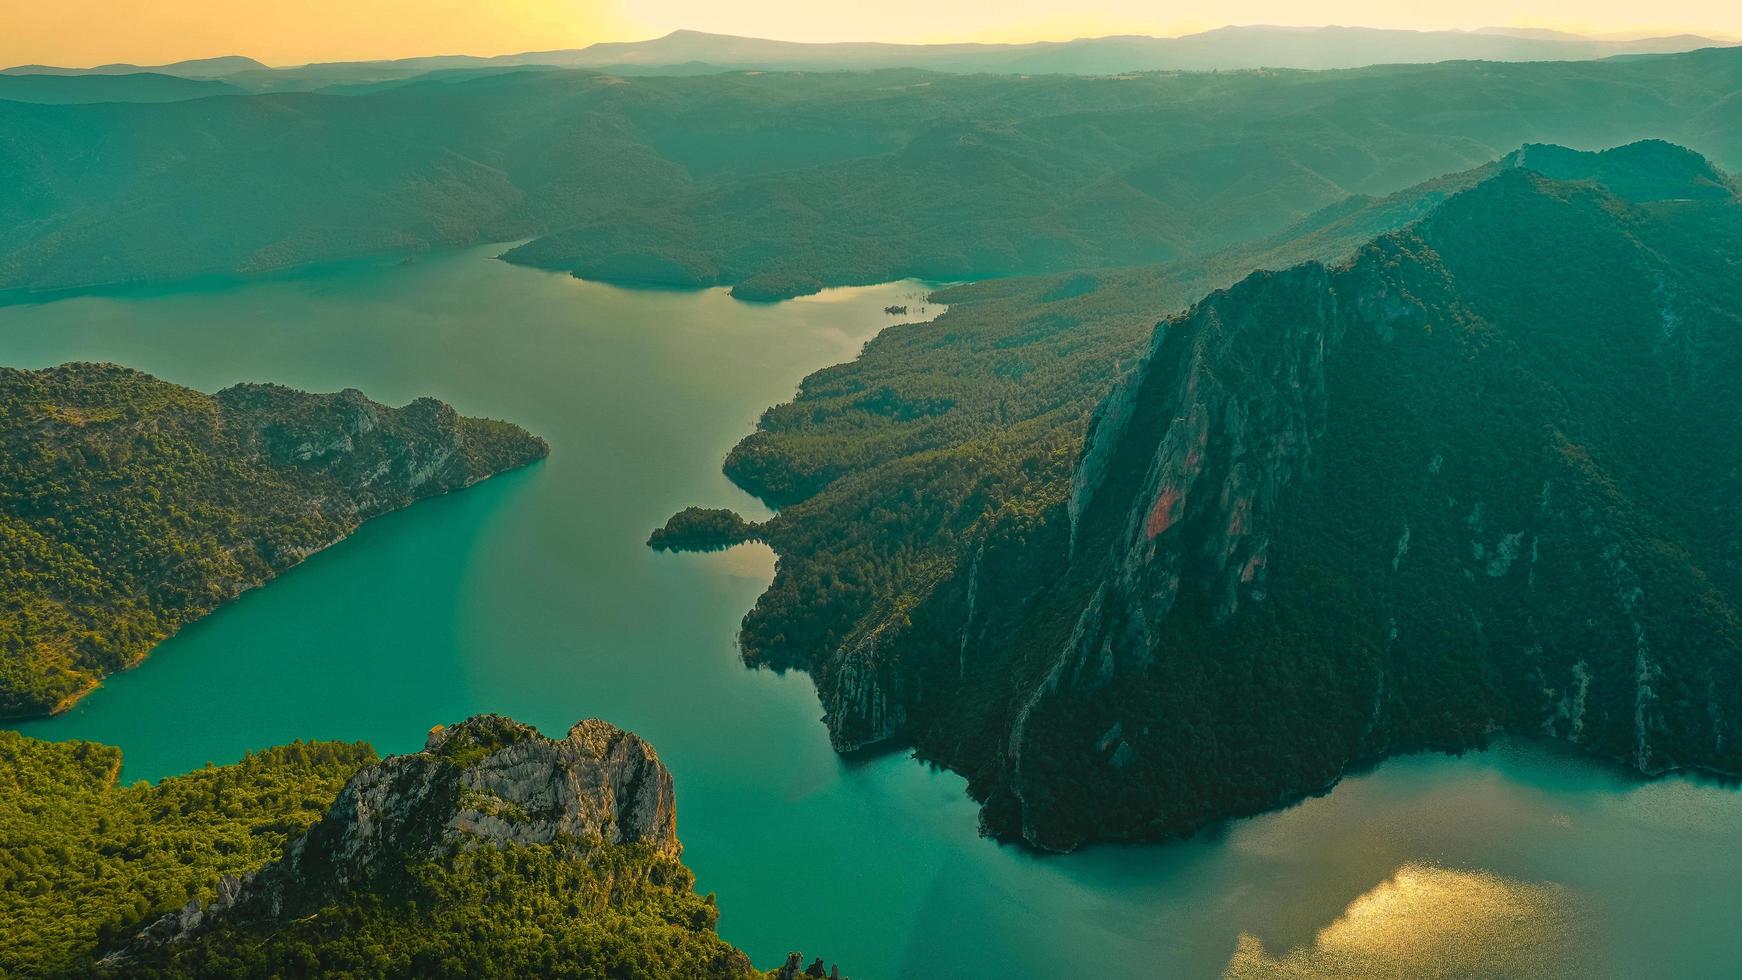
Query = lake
x=533 y=595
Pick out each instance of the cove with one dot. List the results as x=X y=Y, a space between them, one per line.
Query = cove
x=532 y=595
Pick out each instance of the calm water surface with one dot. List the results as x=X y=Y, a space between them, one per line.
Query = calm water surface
x=532 y=595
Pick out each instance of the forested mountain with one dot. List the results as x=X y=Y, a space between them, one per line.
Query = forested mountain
x=1237 y=584
x=492 y=852
x=74 y=89
x=130 y=506
x=86 y=862
x=781 y=183
x=1222 y=49
x=218 y=67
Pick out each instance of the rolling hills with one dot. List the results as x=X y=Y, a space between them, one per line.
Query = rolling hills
x=781 y=183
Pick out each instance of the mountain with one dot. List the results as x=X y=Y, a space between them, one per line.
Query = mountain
x=1230 y=586
x=1063 y=172
x=1222 y=49
x=77 y=89
x=130 y=507
x=195 y=68
x=782 y=183
x=493 y=852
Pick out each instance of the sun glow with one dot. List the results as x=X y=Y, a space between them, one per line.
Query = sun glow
x=89 y=32
x=1431 y=921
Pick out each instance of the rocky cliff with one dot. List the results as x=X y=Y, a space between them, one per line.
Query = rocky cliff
x=487 y=782
x=493 y=851
x=1473 y=479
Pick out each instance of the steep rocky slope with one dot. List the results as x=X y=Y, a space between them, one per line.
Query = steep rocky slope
x=1473 y=480
x=494 y=851
x=130 y=506
x=1476 y=480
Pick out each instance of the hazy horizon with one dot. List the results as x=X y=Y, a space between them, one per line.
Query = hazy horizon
x=87 y=33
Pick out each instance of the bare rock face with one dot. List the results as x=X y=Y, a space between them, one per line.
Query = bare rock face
x=486 y=782
x=1468 y=482
x=383 y=457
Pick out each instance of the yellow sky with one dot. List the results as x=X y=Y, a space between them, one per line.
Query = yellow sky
x=283 y=32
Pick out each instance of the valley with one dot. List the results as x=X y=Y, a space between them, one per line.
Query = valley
x=1257 y=503
x=465 y=604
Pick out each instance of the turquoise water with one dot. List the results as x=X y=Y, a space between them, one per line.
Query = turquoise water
x=532 y=595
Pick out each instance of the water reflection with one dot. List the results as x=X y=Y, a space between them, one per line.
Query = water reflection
x=1427 y=921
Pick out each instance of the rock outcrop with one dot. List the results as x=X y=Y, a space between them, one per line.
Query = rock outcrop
x=382 y=458
x=1469 y=482
x=487 y=782
x=493 y=851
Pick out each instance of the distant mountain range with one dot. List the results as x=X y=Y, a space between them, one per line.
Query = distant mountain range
x=1226 y=48
x=196 y=68
x=782 y=183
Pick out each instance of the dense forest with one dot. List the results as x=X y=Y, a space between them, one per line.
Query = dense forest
x=85 y=863
x=781 y=183
x=973 y=604
x=702 y=529
x=130 y=506
x=494 y=852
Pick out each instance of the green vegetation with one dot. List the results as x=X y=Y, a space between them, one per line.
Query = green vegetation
x=130 y=507
x=90 y=872
x=517 y=911
x=937 y=550
x=493 y=852
x=85 y=863
x=702 y=529
x=780 y=183
x=890 y=469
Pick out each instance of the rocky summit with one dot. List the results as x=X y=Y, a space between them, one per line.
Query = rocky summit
x=494 y=851
x=489 y=781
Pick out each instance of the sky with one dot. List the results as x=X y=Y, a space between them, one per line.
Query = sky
x=289 y=32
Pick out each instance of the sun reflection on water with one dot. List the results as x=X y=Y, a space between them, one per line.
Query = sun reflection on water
x=1427 y=921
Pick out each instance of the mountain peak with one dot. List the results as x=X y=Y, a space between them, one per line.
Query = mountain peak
x=1646 y=170
x=488 y=781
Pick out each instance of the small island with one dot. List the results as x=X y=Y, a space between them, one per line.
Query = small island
x=703 y=529
x=894 y=310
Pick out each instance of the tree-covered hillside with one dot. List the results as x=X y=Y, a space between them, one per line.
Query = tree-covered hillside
x=939 y=567
x=493 y=852
x=85 y=863
x=781 y=183
x=130 y=506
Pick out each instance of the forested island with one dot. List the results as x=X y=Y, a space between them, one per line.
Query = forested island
x=702 y=529
x=1222 y=588
x=130 y=506
x=494 y=851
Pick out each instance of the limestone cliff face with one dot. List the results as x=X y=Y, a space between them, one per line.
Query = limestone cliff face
x=381 y=458
x=487 y=782
x=1469 y=482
